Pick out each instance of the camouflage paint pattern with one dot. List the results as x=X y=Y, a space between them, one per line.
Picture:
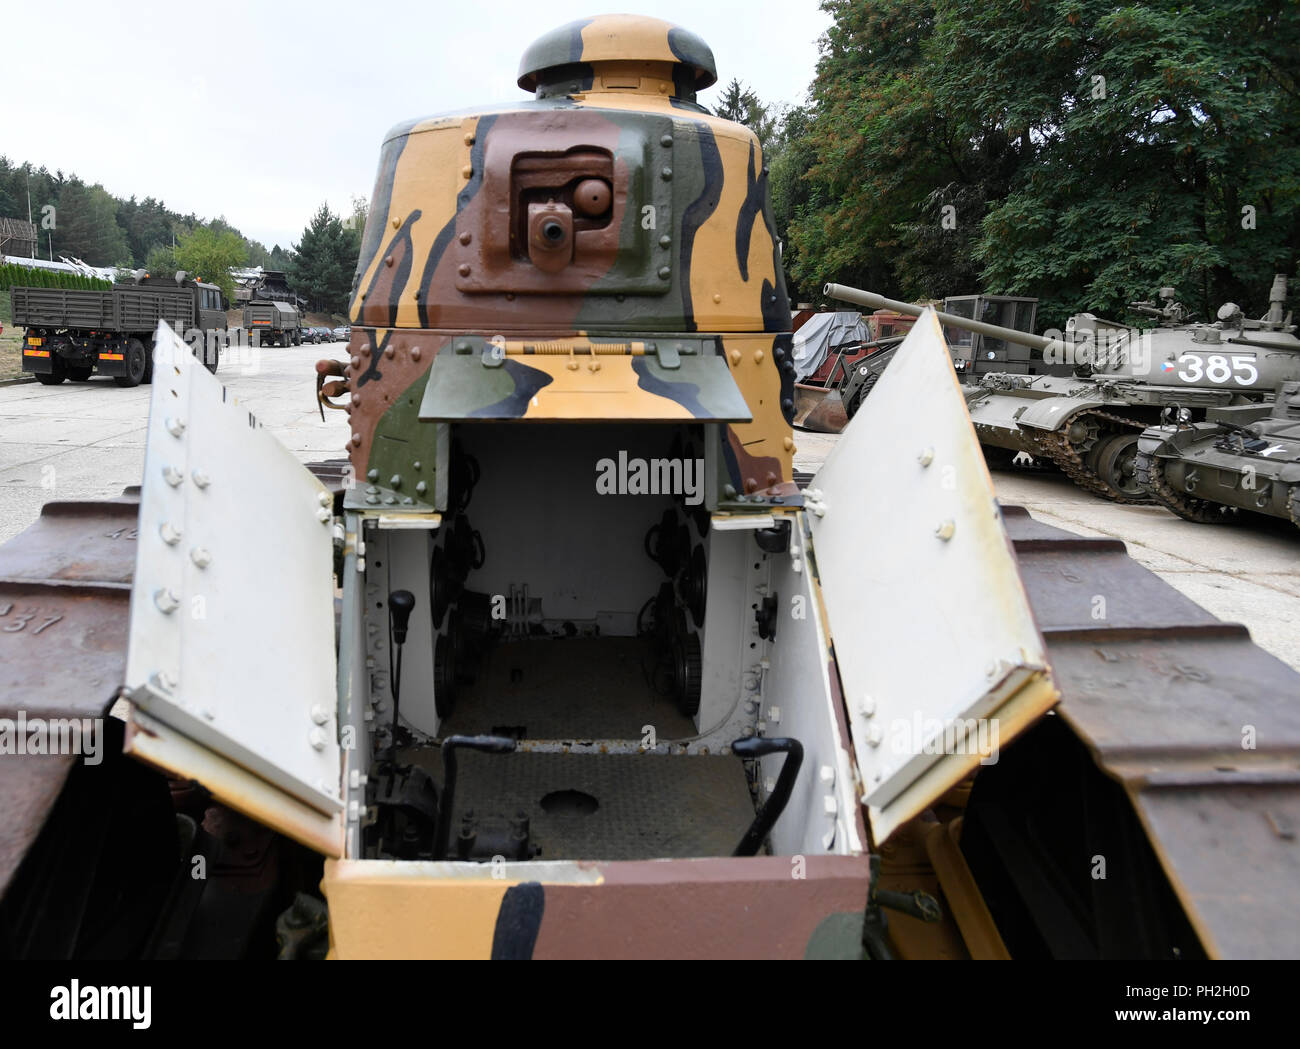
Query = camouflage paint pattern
x=685 y=251
x=668 y=305
x=705 y=908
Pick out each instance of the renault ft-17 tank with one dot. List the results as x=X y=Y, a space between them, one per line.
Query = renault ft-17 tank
x=1088 y=424
x=602 y=681
x=1241 y=458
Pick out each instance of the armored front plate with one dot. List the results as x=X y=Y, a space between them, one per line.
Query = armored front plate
x=939 y=656
x=606 y=388
x=231 y=651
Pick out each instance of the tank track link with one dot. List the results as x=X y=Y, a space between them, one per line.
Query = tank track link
x=1151 y=473
x=1056 y=446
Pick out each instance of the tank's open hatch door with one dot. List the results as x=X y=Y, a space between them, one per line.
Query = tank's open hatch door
x=939 y=657
x=578 y=380
x=230 y=664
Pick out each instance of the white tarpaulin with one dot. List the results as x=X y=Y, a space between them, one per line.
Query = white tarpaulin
x=821 y=333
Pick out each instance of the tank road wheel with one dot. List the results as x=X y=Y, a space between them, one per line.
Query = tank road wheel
x=1186 y=505
x=1115 y=461
x=137 y=362
x=81 y=374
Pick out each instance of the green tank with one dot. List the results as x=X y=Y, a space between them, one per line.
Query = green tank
x=1088 y=423
x=1245 y=457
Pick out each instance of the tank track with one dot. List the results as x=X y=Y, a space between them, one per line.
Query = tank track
x=1056 y=446
x=1151 y=472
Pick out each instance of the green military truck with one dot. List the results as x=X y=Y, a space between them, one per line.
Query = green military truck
x=276 y=322
x=74 y=334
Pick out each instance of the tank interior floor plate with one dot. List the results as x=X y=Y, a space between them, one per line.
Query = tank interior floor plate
x=574 y=688
x=647 y=806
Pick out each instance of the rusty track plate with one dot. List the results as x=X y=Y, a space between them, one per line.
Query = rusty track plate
x=65 y=592
x=1165 y=695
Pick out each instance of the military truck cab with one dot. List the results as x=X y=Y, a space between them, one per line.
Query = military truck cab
x=74 y=334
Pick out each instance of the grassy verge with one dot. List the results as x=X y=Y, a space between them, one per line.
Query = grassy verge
x=11 y=361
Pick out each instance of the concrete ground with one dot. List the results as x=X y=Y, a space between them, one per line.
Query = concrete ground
x=86 y=440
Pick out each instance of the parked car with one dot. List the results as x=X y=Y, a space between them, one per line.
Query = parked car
x=343 y=333
x=326 y=334
x=308 y=335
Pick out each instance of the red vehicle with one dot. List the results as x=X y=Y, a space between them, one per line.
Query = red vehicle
x=838 y=342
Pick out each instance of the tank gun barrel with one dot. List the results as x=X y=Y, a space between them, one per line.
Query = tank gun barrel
x=994 y=331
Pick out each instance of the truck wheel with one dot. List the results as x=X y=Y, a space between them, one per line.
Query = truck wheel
x=137 y=361
x=81 y=374
x=52 y=378
x=148 y=362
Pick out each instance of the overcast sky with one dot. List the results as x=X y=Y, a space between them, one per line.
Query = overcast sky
x=261 y=111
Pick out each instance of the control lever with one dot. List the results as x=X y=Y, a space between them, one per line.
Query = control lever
x=485 y=744
x=766 y=817
x=401 y=603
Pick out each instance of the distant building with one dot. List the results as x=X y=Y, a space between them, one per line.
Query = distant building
x=17 y=237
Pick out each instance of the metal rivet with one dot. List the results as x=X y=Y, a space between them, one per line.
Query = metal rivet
x=356 y=439
x=319 y=714
x=464 y=269
x=200 y=557
x=395 y=481
x=735 y=356
x=469 y=138
x=415 y=354
x=372 y=475
x=467 y=171
x=388 y=352
x=465 y=238
x=665 y=241
x=171 y=535
x=166 y=601
x=317 y=739
x=164 y=681
x=421 y=488
x=324 y=516
x=388 y=261
x=666 y=141
x=868 y=706
x=200 y=478
x=175 y=427
x=758 y=356
x=874 y=735
x=945 y=530
x=926 y=457
x=173 y=476
x=665 y=273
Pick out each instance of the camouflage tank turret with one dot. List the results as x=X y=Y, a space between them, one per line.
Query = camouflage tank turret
x=1239 y=458
x=1088 y=423
x=572 y=667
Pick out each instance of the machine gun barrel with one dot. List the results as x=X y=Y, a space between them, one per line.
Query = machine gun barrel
x=994 y=331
